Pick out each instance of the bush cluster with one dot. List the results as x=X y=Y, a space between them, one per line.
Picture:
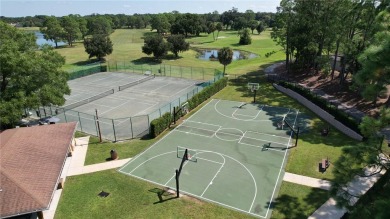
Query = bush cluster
x=206 y=93
x=158 y=125
x=339 y=115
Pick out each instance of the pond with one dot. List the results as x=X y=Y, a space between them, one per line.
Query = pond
x=212 y=54
x=41 y=40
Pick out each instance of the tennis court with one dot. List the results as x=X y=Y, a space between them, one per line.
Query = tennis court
x=120 y=95
x=236 y=155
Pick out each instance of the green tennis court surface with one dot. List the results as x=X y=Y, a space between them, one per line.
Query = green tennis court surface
x=236 y=153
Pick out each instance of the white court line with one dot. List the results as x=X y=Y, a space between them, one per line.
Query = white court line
x=219 y=170
x=161 y=139
x=151 y=159
x=145 y=93
x=230 y=117
x=146 y=109
x=203 y=123
x=113 y=108
x=124 y=98
x=272 y=149
x=242 y=115
x=207 y=136
x=160 y=87
x=280 y=170
x=211 y=161
x=262 y=133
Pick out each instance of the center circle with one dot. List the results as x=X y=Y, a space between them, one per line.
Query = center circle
x=229 y=134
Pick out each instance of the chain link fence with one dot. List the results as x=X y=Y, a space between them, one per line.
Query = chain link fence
x=122 y=128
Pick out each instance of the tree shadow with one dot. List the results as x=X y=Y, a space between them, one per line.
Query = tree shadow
x=287 y=206
x=163 y=195
x=86 y=62
x=146 y=60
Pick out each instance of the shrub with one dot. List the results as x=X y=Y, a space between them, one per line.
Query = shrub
x=339 y=115
x=158 y=125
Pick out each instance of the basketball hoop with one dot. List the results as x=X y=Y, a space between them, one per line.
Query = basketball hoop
x=253 y=87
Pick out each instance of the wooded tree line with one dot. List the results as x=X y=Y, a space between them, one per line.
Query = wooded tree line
x=312 y=32
x=357 y=31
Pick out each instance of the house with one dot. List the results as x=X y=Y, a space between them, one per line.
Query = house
x=31 y=162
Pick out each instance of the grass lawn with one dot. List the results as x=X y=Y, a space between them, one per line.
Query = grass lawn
x=129 y=198
x=297 y=201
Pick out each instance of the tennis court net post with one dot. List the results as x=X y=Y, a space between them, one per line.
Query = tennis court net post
x=125 y=86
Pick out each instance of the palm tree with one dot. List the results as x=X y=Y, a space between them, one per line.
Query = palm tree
x=225 y=57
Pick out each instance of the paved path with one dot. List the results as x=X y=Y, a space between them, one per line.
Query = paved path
x=74 y=165
x=307 y=181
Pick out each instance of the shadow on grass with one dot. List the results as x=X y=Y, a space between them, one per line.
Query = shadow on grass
x=86 y=62
x=286 y=206
x=162 y=194
x=146 y=60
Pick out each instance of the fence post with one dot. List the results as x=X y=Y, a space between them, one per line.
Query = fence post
x=131 y=127
x=81 y=127
x=148 y=123
x=113 y=128
x=97 y=132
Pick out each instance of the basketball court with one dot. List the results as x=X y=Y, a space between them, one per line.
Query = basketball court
x=236 y=155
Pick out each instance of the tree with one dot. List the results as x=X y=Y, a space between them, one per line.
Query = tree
x=29 y=78
x=245 y=37
x=253 y=24
x=211 y=28
x=71 y=29
x=225 y=57
x=155 y=45
x=177 y=44
x=219 y=28
x=52 y=30
x=160 y=23
x=363 y=160
x=98 y=46
x=83 y=25
x=374 y=75
x=260 y=28
x=99 y=25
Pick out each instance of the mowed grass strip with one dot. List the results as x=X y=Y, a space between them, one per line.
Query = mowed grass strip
x=129 y=198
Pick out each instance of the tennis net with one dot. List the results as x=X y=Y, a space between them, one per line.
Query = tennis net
x=85 y=101
x=125 y=86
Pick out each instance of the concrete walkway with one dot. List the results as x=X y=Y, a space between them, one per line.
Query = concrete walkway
x=74 y=165
x=307 y=181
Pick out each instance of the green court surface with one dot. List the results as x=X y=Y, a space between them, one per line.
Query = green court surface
x=237 y=152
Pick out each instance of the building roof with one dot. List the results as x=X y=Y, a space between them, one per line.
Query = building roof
x=31 y=162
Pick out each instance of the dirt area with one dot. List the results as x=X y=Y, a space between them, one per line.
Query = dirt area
x=332 y=87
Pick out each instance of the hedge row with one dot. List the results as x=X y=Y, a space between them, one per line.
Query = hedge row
x=206 y=93
x=339 y=115
x=158 y=125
